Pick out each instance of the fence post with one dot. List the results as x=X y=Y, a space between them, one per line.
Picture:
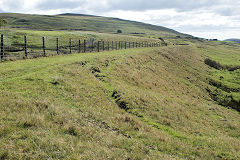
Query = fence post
x=125 y=45
x=116 y=44
x=92 y=46
x=44 y=53
x=84 y=46
x=129 y=44
x=79 y=46
x=2 y=48
x=70 y=45
x=98 y=46
x=133 y=45
x=103 y=46
x=112 y=45
x=119 y=45
x=108 y=45
x=25 y=45
x=57 y=46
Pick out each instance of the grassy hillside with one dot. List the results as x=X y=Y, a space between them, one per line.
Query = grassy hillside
x=224 y=61
x=84 y=23
x=130 y=104
x=233 y=40
x=14 y=41
x=75 y=27
x=174 y=102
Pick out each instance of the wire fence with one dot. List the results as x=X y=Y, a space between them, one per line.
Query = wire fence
x=42 y=47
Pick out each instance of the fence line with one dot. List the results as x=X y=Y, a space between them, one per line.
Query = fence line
x=72 y=46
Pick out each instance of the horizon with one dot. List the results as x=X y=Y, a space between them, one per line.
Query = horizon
x=204 y=19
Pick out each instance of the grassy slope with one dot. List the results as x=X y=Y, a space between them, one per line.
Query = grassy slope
x=85 y=23
x=15 y=37
x=64 y=106
x=228 y=81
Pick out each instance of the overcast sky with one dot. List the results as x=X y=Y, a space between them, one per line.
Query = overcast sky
x=202 y=18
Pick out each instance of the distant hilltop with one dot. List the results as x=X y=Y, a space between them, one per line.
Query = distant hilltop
x=233 y=40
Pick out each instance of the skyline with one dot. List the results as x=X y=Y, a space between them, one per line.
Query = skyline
x=205 y=19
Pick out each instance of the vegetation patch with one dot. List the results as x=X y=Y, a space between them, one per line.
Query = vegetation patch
x=217 y=65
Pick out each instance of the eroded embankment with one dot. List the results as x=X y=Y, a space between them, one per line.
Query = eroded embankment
x=222 y=93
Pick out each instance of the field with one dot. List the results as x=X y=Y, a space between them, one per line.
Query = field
x=14 y=42
x=85 y=23
x=178 y=101
x=225 y=73
x=119 y=104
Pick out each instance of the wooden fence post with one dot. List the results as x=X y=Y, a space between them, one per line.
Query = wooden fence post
x=119 y=45
x=25 y=45
x=125 y=45
x=108 y=45
x=57 y=46
x=112 y=45
x=98 y=47
x=116 y=45
x=44 y=53
x=133 y=45
x=103 y=46
x=70 y=46
x=79 y=46
x=129 y=44
x=92 y=47
x=2 y=48
x=84 y=46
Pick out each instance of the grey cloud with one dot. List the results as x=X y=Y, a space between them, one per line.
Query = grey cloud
x=141 y=5
x=11 y=5
x=133 y=5
x=60 y=4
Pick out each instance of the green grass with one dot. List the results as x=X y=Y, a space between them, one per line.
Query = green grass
x=14 y=41
x=225 y=80
x=16 y=37
x=63 y=107
x=85 y=23
x=145 y=103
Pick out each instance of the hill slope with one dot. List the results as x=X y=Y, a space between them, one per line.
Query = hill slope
x=83 y=22
x=233 y=40
x=130 y=104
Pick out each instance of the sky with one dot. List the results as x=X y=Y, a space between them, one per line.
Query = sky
x=201 y=18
